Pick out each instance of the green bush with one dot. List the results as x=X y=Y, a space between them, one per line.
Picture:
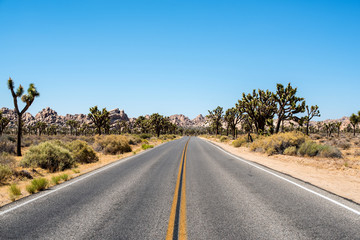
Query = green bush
x=292 y=151
x=329 y=152
x=312 y=149
x=309 y=148
x=82 y=152
x=5 y=172
x=48 y=155
x=14 y=191
x=112 y=144
x=146 y=146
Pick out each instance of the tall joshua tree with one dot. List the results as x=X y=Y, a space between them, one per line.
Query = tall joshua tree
x=354 y=120
x=288 y=104
x=28 y=99
x=101 y=119
x=215 y=117
x=311 y=112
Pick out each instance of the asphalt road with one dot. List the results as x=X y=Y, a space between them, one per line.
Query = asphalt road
x=179 y=192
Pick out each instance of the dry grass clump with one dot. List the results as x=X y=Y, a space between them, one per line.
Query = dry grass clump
x=240 y=141
x=277 y=143
x=14 y=192
x=167 y=137
x=37 y=184
x=294 y=143
x=112 y=144
x=223 y=139
x=48 y=155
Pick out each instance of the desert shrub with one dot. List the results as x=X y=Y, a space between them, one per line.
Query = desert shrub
x=277 y=143
x=48 y=155
x=133 y=140
x=329 y=152
x=82 y=152
x=239 y=142
x=145 y=136
x=312 y=149
x=7 y=159
x=344 y=145
x=5 y=172
x=223 y=139
x=309 y=148
x=113 y=144
x=14 y=191
x=357 y=153
x=7 y=144
x=167 y=136
x=146 y=146
x=292 y=151
x=316 y=136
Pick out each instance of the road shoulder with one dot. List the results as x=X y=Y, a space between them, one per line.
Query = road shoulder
x=337 y=181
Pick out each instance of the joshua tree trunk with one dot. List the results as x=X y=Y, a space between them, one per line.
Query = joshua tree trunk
x=307 y=129
x=18 y=147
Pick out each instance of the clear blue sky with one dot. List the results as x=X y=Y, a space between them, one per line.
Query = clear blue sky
x=179 y=56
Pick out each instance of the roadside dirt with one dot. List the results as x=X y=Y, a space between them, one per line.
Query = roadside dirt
x=324 y=173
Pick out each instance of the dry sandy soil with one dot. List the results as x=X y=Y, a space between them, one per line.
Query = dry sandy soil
x=72 y=173
x=324 y=173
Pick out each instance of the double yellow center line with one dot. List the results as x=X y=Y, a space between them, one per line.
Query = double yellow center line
x=177 y=221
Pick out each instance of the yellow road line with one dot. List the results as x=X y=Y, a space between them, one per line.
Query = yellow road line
x=181 y=179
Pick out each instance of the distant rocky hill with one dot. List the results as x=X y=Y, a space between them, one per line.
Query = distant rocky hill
x=184 y=121
x=49 y=116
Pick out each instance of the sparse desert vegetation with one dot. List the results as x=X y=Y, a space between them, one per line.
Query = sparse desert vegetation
x=52 y=159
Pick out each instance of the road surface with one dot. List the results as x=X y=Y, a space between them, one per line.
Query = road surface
x=184 y=189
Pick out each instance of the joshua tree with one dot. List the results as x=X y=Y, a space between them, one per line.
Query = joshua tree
x=233 y=117
x=354 y=120
x=101 y=119
x=215 y=117
x=28 y=99
x=287 y=104
x=74 y=125
x=3 y=123
x=260 y=107
x=41 y=126
x=311 y=112
x=338 y=125
x=157 y=123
